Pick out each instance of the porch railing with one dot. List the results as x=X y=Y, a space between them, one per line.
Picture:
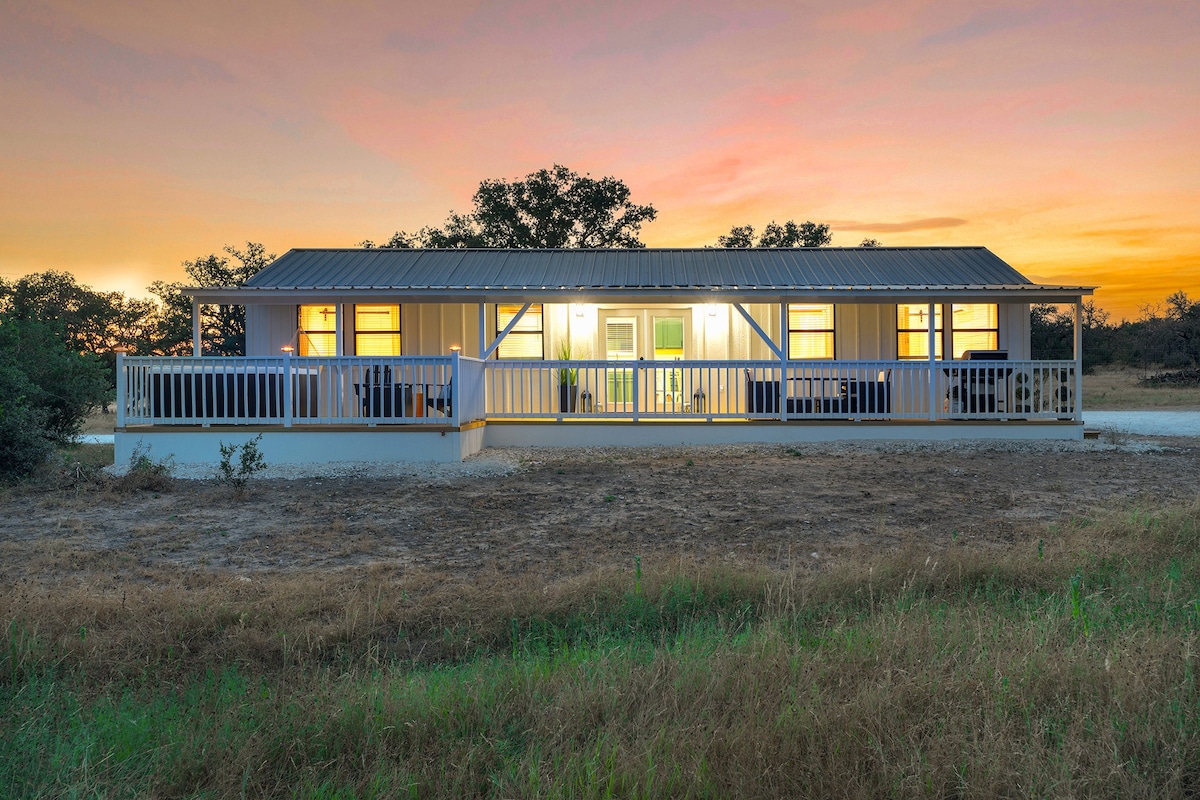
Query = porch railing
x=290 y=391
x=793 y=390
x=452 y=390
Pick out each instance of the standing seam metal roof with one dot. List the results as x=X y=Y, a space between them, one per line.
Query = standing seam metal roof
x=705 y=269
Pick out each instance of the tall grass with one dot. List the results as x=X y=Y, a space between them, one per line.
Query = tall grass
x=1064 y=667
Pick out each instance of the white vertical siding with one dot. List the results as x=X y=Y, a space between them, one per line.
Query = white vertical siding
x=716 y=331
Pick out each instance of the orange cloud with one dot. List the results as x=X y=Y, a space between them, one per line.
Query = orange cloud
x=931 y=223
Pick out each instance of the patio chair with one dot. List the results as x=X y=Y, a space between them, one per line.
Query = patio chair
x=443 y=400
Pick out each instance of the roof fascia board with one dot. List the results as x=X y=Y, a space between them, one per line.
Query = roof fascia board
x=863 y=295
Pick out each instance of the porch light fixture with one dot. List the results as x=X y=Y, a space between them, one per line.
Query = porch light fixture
x=120 y=349
x=287 y=349
x=454 y=348
x=578 y=310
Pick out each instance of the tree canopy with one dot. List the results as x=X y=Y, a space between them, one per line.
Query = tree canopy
x=222 y=327
x=554 y=207
x=789 y=234
x=89 y=321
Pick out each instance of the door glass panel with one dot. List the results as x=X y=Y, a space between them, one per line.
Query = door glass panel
x=620 y=345
x=668 y=345
x=668 y=337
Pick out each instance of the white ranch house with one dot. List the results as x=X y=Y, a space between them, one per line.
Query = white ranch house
x=431 y=355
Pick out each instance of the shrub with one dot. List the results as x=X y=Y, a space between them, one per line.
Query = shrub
x=249 y=462
x=25 y=444
x=145 y=474
x=46 y=391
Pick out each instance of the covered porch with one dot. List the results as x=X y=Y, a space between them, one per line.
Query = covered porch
x=481 y=348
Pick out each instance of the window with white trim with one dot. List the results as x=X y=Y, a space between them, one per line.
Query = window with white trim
x=318 y=330
x=974 y=326
x=810 y=330
x=527 y=338
x=377 y=330
x=912 y=332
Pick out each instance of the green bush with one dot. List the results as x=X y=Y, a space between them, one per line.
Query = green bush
x=249 y=463
x=46 y=391
x=25 y=443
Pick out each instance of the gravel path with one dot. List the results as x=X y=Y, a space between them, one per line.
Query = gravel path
x=1145 y=423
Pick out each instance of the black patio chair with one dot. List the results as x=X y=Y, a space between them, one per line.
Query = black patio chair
x=443 y=400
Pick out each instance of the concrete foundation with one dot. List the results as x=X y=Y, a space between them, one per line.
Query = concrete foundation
x=392 y=444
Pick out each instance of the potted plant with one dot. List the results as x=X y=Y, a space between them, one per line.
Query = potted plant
x=568 y=379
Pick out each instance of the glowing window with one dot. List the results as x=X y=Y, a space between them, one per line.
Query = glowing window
x=377 y=330
x=318 y=330
x=912 y=332
x=810 y=330
x=975 y=326
x=526 y=339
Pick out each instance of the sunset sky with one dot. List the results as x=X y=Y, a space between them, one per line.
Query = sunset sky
x=1061 y=135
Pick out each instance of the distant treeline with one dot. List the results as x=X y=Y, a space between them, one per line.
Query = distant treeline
x=1165 y=336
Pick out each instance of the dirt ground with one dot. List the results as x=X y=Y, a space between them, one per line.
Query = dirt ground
x=558 y=513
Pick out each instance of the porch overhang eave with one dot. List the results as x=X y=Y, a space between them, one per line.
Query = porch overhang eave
x=1020 y=293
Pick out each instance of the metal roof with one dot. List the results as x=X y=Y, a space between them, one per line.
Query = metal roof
x=645 y=273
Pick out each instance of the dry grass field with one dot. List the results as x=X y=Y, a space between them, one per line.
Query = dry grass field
x=938 y=621
x=1118 y=389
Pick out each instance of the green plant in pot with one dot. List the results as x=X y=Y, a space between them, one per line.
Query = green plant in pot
x=568 y=379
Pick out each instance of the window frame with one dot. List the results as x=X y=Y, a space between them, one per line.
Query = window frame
x=304 y=343
x=955 y=330
x=397 y=332
x=540 y=332
x=830 y=332
x=939 y=348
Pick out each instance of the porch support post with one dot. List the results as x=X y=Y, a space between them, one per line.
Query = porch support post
x=482 y=330
x=287 y=388
x=492 y=348
x=455 y=389
x=637 y=394
x=932 y=363
x=1079 y=359
x=784 y=383
x=121 y=388
x=339 y=312
x=196 y=343
x=761 y=333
